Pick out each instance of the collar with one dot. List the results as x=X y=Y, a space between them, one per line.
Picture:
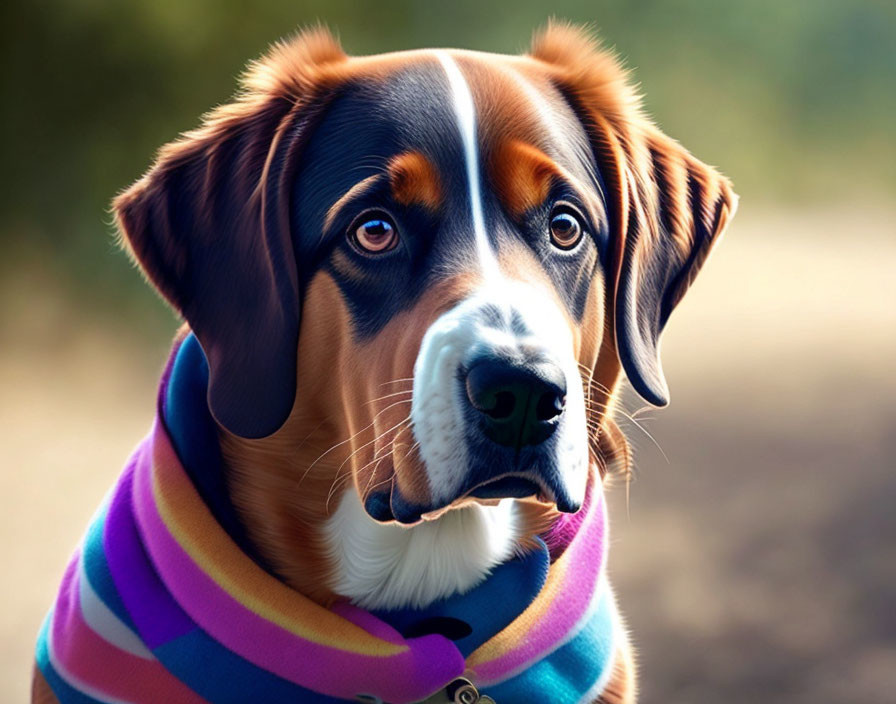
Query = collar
x=167 y=588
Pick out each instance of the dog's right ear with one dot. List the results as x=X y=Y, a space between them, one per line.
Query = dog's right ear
x=209 y=226
x=667 y=209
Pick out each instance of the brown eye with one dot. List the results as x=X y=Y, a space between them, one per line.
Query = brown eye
x=375 y=235
x=566 y=230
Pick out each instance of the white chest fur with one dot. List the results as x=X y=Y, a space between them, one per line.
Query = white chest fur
x=387 y=566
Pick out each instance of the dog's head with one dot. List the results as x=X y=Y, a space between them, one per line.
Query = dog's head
x=422 y=271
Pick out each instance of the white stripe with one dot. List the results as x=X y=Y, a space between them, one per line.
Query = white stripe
x=70 y=679
x=103 y=621
x=465 y=111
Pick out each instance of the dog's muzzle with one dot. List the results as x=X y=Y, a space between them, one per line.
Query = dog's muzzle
x=512 y=409
x=497 y=410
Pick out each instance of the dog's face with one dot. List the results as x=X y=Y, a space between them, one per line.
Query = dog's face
x=459 y=243
x=420 y=274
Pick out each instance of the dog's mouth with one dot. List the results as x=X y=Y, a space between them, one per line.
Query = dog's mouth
x=391 y=506
x=510 y=486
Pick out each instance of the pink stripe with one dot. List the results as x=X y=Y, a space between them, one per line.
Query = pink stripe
x=429 y=663
x=563 y=616
x=98 y=664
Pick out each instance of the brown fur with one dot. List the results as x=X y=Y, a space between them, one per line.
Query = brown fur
x=40 y=690
x=622 y=687
x=522 y=175
x=415 y=180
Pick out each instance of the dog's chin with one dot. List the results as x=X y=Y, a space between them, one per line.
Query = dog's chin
x=386 y=507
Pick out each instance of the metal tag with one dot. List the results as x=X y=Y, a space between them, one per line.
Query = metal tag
x=461 y=691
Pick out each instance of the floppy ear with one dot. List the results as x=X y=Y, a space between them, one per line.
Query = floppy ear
x=667 y=208
x=682 y=208
x=209 y=226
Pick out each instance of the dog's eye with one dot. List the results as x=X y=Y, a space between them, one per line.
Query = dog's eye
x=566 y=229
x=375 y=235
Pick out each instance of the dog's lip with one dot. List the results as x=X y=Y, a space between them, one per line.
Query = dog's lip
x=378 y=506
x=521 y=485
x=388 y=506
x=492 y=492
x=511 y=485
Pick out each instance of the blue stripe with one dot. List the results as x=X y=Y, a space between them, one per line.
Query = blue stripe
x=221 y=676
x=568 y=673
x=97 y=569
x=65 y=693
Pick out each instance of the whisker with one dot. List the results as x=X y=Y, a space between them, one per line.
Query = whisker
x=594 y=383
x=333 y=488
x=379 y=483
x=652 y=439
x=390 y=448
x=316 y=428
x=375 y=459
x=636 y=424
x=396 y=381
x=348 y=439
x=375 y=439
x=375 y=469
x=382 y=398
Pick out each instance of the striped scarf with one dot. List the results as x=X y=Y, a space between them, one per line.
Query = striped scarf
x=160 y=604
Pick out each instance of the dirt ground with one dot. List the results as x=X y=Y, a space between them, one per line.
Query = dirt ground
x=756 y=563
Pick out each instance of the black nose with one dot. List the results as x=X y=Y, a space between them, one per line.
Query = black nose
x=519 y=404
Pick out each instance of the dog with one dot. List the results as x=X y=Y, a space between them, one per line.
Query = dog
x=412 y=284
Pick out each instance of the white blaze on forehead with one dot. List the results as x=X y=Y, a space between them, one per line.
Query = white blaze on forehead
x=439 y=411
x=465 y=111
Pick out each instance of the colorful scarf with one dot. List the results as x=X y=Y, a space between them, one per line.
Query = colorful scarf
x=161 y=604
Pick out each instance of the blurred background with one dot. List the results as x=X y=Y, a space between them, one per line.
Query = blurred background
x=755 y=555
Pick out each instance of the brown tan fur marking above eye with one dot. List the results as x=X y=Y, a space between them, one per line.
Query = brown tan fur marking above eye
x=522 y=176
x=415 y=181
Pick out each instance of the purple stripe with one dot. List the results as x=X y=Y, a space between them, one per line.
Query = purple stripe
x=428 y=665
x=156 y=615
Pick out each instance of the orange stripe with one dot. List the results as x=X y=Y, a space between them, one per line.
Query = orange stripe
x=190 y=523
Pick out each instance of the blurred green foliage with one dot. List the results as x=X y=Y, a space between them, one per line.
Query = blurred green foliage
x=794 y=99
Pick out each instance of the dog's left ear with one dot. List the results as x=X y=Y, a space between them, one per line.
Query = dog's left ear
x=667 y=208
x=680 y=208
x=209 y=226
